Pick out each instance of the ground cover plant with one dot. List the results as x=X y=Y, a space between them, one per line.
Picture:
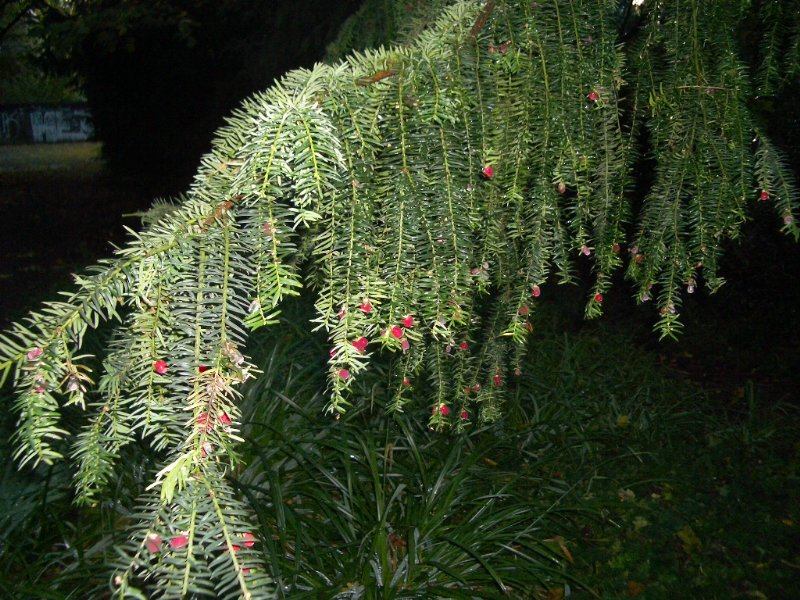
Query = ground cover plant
x=419 y=200
x=607 y=477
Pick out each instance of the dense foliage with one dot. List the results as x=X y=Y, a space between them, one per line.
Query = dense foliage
x=425 y=193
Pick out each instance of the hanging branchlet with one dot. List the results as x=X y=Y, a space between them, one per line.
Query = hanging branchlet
x=426 y=195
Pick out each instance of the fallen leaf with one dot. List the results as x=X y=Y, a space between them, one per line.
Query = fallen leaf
x=635 y=588
x=689 y=540
x=562 y=545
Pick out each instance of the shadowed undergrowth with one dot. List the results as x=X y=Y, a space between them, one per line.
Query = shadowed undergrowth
x=608 y=477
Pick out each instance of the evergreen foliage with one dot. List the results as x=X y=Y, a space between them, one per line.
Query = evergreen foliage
x=425 y=192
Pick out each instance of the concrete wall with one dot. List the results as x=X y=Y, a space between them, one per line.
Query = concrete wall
x=40 y=124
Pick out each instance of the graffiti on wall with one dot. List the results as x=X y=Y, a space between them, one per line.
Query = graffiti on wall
x=33 y=124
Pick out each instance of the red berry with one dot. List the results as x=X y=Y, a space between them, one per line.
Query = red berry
x=593 y=96
x=160 y=367
x=344 y=374
x=361 y=344
x=366 y=307
x=442 y=409
x=536 y=291
x=615 y=248
x=598 y=297
x=465 y=415
x=178 y=542
x=397 y=331
x=524 y=309
x=224 y=418
x=202 y=421
x=639 y=258
x=35 y=353
x=203 y=368
x=406 y=381
x=153 y=543
x=498 y=380
x=488 y=171
x=764 y=195
x=464 y=345
x=249 y=539
x=476 y=387
x=408 y=321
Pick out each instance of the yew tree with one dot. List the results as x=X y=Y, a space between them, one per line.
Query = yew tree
x=425 y=194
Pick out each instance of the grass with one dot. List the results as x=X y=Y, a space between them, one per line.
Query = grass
x=24 y=159
x=609 y=477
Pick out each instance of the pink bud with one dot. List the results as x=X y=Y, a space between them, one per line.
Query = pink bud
x=764 y=196
x=178 y=542
x=405 y=345
x=202 y=421
x=536 y=291
x=344 y=374
x=465 y=415
x=160 y=367
x=598 y=297
x=408 y=321
x=464 y=345
x=593 y=96
x=34 y=353
x=153 y=543
x=366 y=307
x=397 y=331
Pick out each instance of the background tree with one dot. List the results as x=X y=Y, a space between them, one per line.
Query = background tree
x=158 y=75
x=425 y=193
x=24 y=77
